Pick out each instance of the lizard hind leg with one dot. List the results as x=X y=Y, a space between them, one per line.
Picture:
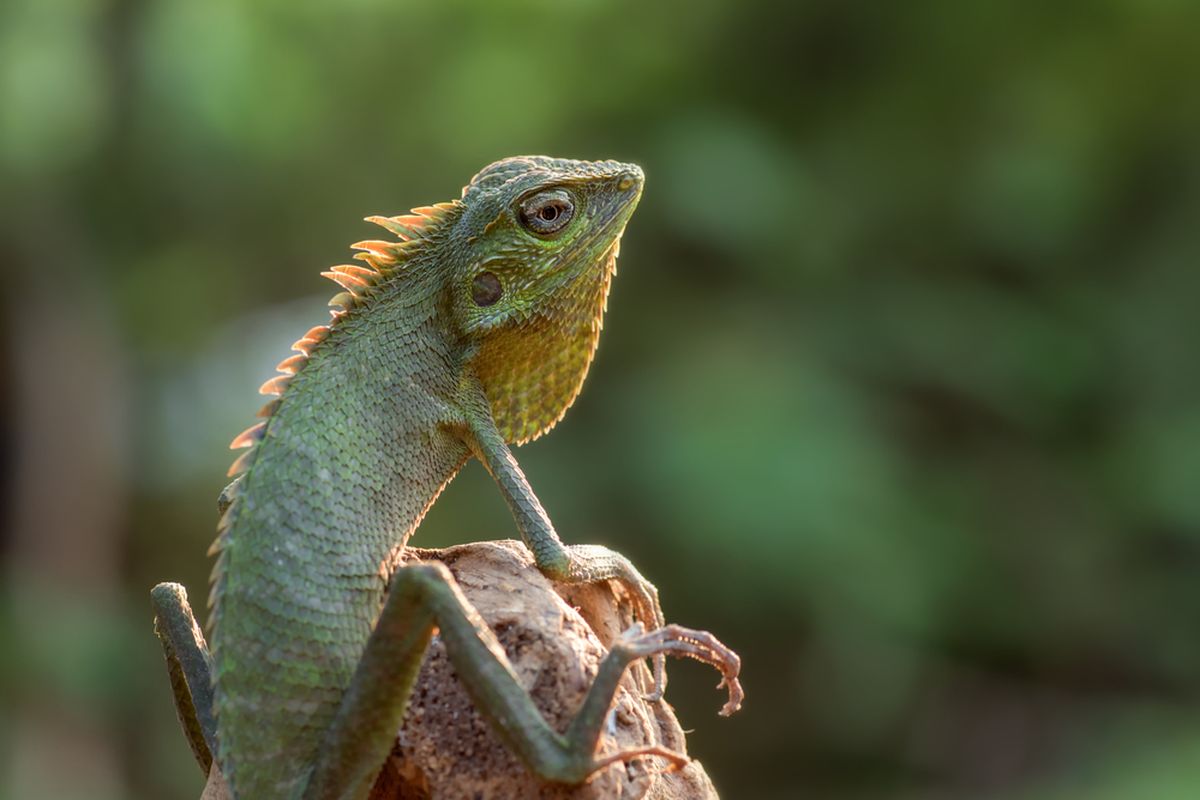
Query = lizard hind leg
x=426 y=595
x=189 y=668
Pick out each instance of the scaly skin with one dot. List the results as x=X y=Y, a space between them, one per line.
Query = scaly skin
x=472 y=332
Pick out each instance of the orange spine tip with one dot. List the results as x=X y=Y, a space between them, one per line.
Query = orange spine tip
x=317 y=333
x=375 y=245
x=411 y=221
x=248 y=437
x=379 y=266
x=310 y=339
x=269 y=408
x=240 y=465
x=350 y=283
x=292 y=364
x=432 y=212
x=367 y=276
x=276 y=385
x=384 y=251
x=394 y=225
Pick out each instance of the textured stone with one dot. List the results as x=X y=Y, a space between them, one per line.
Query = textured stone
x=555 y=638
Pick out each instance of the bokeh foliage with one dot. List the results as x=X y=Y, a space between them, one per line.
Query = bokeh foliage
x=898 y=392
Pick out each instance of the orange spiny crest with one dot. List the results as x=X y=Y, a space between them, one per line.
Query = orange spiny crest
x=292 y=364
x=385 y=252
x=405 y=226
x=269 y=408
x=383 y=258
x=316 y=333
x=342 y=301
x=435 y=212
x=351 y=283
x=248 y=437
x=275 y=385
x=368 y=276
x=378 y=264
x=308 y=341
x=414 y=222
x=218 y=543
x=417 y=223
x=240 y=465
x=405 y=249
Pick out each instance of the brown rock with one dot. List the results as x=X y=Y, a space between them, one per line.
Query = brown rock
x=555 y=638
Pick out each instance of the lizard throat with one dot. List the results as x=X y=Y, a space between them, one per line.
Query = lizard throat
x=533 y=372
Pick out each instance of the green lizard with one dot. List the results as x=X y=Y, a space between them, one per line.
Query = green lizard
x=472 y=332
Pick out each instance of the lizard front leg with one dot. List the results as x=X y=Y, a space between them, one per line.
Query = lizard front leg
x=556 y=560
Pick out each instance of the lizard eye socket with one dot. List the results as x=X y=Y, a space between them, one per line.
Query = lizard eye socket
x=486 y=289
x=548 y=212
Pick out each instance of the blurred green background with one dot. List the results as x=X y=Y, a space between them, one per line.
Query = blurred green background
x=898 y=392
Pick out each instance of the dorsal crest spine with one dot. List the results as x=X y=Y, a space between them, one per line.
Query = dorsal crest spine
x=415 y=231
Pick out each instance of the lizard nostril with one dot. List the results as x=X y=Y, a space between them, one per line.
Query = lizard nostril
x=627 y=182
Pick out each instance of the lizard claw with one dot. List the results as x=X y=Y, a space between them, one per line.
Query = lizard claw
x=683 y=642
x=590 y=562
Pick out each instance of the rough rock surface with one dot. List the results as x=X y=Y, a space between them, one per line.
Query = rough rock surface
x=555 y=639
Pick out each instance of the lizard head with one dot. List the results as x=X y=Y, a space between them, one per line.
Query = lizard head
x=539 y=239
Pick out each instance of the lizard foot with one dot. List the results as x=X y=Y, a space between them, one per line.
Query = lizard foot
x=589 y=563
x=635 y=643
x=681 y=642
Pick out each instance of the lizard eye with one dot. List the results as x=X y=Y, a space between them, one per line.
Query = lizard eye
x=548 y=212
x=486 y=289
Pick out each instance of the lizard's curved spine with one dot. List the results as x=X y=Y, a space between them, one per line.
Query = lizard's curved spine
x=297 y=582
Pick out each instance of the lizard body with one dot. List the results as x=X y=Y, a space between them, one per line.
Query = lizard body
x=473 y=331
